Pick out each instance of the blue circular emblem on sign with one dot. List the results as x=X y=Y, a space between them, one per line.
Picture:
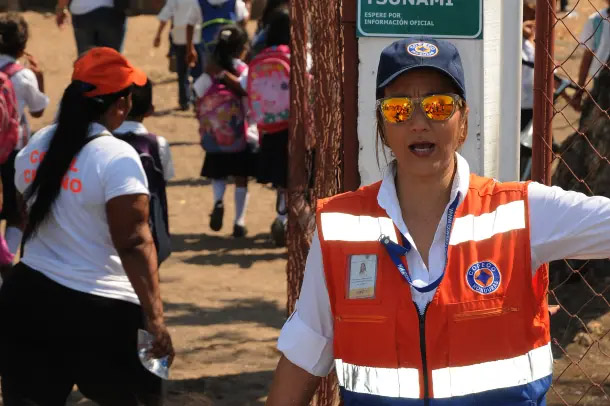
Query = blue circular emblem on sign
x=423 y=49
x=483 y=277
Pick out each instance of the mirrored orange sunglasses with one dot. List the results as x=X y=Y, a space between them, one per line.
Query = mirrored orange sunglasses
x=437 y=107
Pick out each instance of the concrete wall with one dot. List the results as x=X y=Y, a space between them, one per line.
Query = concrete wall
x=493 y=73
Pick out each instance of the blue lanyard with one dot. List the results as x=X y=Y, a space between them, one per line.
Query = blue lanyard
x=397 y=251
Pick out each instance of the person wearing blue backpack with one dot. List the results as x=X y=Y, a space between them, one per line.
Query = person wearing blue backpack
x=215 y=14
x=156 y=159
x=229 y=141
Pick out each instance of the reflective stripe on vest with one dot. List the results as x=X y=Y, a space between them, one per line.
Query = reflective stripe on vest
x=448 y=382
x=387 y=382
x=347 y=227
x=506 y=217
x=477 y=378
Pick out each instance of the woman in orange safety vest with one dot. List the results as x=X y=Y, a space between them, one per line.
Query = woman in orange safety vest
x=429 y=287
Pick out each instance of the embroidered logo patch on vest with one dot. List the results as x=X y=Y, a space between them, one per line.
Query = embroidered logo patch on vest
x=483 y=277
x=423 y=49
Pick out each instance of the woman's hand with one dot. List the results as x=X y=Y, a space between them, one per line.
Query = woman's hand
x=529 y=29
x=33 y=64
x=191 y=57
x=61 y=16
x=157 y=41
x=212 y=68
x=162 y=344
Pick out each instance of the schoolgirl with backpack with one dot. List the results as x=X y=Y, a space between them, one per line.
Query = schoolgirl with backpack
x=215 y=14
x=269 y=100
x=230 y=143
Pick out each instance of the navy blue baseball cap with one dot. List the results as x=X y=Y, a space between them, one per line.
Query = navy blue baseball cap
x=416 y=53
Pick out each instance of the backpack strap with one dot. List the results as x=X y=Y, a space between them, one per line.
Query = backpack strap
x=155 y=152
x=153 y=146
x=11 y=68
x=221 y=21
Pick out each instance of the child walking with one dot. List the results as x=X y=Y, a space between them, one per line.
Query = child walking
x=269 y=100
x=230 y=143
x=156 y=159
x=181 y=13
x=28 y=82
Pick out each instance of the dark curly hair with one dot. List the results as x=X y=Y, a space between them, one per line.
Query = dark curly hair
x=14 y=34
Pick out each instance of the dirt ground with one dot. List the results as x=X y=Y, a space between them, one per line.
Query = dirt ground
x=225 y=298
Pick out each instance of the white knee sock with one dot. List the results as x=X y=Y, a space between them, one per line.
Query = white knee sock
x=13 y=237
x=241 y=202
x=219 y=186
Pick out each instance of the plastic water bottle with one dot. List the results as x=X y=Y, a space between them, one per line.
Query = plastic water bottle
x=158 y=366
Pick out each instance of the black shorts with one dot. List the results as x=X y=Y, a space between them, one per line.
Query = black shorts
x=54 y=338
x=9 y=191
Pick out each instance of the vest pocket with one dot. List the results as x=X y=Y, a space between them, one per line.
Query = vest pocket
x=361 y=318
x=484 y=336
x=365 y=339
x=482 y=313
x=484 y=331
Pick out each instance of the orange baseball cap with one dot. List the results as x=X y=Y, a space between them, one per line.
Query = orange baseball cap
x=107 y=70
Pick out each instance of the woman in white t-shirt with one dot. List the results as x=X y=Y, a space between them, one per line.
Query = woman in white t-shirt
x=71 y=309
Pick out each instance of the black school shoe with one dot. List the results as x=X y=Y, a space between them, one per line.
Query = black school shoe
x=278 y=233
x=216 y=216
x=239 y=231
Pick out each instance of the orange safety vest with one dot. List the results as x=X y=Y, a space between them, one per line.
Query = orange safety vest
x=483 y=340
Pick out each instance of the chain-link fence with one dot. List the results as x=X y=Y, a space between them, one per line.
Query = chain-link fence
x=571 y=146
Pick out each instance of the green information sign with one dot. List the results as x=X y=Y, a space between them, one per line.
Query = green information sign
x=437 y=18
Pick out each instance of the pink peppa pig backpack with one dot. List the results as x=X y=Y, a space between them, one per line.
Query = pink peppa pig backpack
x=222 y=121
x=269 y=89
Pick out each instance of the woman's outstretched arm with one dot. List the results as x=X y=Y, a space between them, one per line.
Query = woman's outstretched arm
x=292 y=386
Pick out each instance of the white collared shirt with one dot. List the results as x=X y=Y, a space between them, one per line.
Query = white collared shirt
x=28 y=95
x=562 y=225
x=182 y=13
x=165 y=152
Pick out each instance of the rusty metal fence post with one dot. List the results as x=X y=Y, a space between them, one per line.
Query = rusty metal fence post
x=543 y=92
x=316 y=136
x=571 y=146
